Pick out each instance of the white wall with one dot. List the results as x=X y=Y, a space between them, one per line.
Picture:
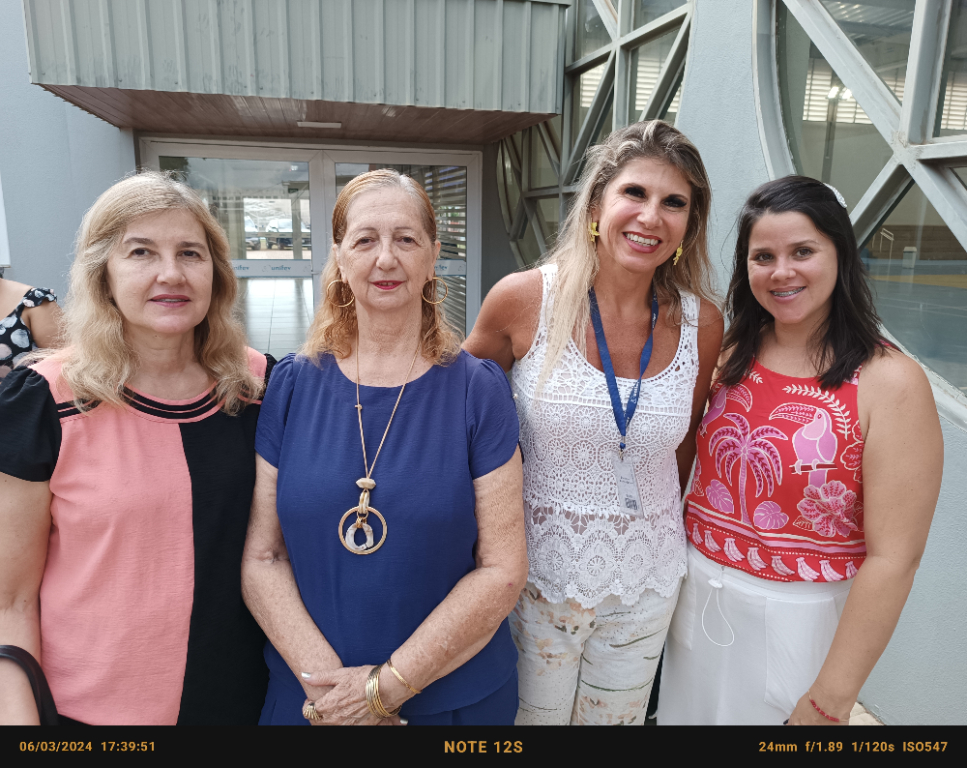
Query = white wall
x=55 y=160
x=920 y=678
x=718 y=114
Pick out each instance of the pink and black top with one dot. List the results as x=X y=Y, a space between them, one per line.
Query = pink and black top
x=142 y=619
x=778 y=490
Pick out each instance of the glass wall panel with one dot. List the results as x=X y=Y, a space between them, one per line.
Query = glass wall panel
x=881 y=32
x=830 y=136
x=555 y=130
x=549 y=209
x=446 y=187
x=585 y=86
x=918 y=271
x=505 y=209
x=590 y=32
x=541 y=171
x=263 y=206
x=952 y=105
x=607 y=124
x=671 y=114
x=509 y=187
x=527 y=246
x=646 y=63
x=646 y=11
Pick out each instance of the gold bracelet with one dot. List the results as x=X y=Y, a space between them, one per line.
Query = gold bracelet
x=372 y=696
x=389 y=663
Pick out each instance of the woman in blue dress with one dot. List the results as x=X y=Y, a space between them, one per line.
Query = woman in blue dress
x=386 y=543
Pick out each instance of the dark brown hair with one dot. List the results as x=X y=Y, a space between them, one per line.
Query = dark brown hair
x=850 y=334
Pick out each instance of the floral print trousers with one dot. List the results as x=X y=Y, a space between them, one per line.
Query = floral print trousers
x=588 y=666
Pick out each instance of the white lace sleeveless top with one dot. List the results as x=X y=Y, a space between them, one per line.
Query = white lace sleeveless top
x=582 y=545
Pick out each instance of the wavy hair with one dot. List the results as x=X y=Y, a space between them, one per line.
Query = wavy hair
x=97 y=360
x=850 y=335
x=334 y=327
x=576 y=256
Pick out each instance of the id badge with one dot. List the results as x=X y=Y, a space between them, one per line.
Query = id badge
x=628 y=497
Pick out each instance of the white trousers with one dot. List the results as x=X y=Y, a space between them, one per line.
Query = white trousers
x=782 y=632
x=587 y=666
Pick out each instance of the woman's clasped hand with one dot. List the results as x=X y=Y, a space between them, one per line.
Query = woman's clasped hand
x=346 y=703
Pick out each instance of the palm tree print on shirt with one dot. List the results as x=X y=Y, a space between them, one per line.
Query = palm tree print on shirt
x=752 y=450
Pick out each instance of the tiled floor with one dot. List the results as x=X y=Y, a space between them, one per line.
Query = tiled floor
x=861 y=716
x=926 y=310
x=277 y=313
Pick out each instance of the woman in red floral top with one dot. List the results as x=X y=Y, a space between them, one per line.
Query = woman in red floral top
x=821 y=452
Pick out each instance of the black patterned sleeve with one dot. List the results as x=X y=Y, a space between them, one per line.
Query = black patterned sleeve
x=29 y=426
x=269 y=365
x=37 y=296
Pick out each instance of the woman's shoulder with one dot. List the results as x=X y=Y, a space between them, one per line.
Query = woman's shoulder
x=296 y=366
x=891 y=376
x=514 y=294
x=22 y=384
x=699 y=310
x=474 y=367
x=258 y=362
x=50 y=369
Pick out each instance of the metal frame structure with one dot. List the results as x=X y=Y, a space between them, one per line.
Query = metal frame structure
x=918 y=157
x=566 y=150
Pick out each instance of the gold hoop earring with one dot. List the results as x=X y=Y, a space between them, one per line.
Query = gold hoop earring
x=331 y=301
x=431 y=282
x=593 y=230
x=678 y=254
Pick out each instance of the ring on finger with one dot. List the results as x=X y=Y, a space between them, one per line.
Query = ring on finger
x=309 y=711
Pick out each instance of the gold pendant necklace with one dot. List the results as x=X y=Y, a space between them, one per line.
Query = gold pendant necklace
x=362 y=511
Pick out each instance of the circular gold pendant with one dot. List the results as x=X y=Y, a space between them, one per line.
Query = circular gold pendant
x=348 y=535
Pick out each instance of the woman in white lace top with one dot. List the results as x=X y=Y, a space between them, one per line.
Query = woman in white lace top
x=622 y=298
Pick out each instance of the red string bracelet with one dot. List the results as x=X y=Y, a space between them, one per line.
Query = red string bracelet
x=816 y=707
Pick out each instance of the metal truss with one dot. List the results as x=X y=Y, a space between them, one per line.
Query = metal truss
x=612 y=98
x=918 y=157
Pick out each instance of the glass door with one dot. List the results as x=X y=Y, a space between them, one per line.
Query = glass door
x=452 y=184
x=267 y=198
x=262 y=198
x=446 y=187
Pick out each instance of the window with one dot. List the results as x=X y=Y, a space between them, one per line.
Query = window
x=623 y=68
x=907 y=198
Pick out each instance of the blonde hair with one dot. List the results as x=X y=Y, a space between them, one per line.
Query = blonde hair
x=575 y=254
x=97 y=361
x=334 y=327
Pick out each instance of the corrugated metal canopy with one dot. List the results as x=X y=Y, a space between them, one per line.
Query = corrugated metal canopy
x=386 y=69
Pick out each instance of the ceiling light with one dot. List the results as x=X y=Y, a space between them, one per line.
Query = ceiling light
x=833 y=93
x=847 y=95
x=309 y=124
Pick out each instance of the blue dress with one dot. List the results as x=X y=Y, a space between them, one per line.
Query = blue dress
x=454 y=424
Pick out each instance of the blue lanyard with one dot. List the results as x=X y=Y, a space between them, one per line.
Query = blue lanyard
x=622 y=416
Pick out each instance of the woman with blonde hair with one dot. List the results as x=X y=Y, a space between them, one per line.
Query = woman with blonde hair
x=612 y=343
x=124 y=498
x=386 y=544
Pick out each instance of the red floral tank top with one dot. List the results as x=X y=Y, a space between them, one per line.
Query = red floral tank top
x=777 y=490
